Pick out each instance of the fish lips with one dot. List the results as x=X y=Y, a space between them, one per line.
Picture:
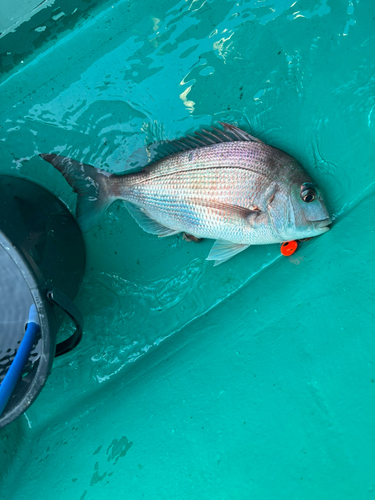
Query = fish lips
x=321 y=225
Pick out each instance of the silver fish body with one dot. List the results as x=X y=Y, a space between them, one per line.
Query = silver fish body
x=240 y=192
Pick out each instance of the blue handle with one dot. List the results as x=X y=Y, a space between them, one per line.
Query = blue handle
x=15 y=371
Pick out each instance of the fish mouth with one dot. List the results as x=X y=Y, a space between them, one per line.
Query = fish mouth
x=321 y=225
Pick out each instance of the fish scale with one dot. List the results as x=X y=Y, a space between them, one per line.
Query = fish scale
x=256 y=157
x=172 y=189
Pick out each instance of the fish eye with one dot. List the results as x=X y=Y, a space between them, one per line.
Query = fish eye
x=308 y=195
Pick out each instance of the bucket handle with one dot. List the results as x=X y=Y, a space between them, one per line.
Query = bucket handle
x=58 y=298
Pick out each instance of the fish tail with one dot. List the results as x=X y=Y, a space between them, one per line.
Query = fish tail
x=93 y=186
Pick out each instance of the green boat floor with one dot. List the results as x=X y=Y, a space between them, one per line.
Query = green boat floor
x=254 y=379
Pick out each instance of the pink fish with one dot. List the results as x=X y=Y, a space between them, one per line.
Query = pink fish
x=219 y=184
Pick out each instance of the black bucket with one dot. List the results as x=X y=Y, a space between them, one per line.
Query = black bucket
x=42 y=262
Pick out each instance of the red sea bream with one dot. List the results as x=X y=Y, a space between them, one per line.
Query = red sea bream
x=220 y=184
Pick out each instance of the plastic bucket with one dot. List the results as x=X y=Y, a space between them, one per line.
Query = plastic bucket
x=42 y=262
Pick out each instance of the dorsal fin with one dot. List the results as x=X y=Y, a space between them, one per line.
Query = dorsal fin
x=239 y=134
x=203 y=137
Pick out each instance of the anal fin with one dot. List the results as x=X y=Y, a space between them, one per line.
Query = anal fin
x=147 y=223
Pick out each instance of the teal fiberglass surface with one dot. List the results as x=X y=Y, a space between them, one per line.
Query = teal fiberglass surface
x=254 y=379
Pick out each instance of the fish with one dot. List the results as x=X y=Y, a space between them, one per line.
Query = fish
x=220 y=183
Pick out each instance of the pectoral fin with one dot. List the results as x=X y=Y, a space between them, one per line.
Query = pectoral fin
x=224 y=250
x=230 y=209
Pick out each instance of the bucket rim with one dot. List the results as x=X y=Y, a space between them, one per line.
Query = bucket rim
x=46 y=358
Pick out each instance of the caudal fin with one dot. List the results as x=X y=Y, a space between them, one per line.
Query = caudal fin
x=91 y=185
